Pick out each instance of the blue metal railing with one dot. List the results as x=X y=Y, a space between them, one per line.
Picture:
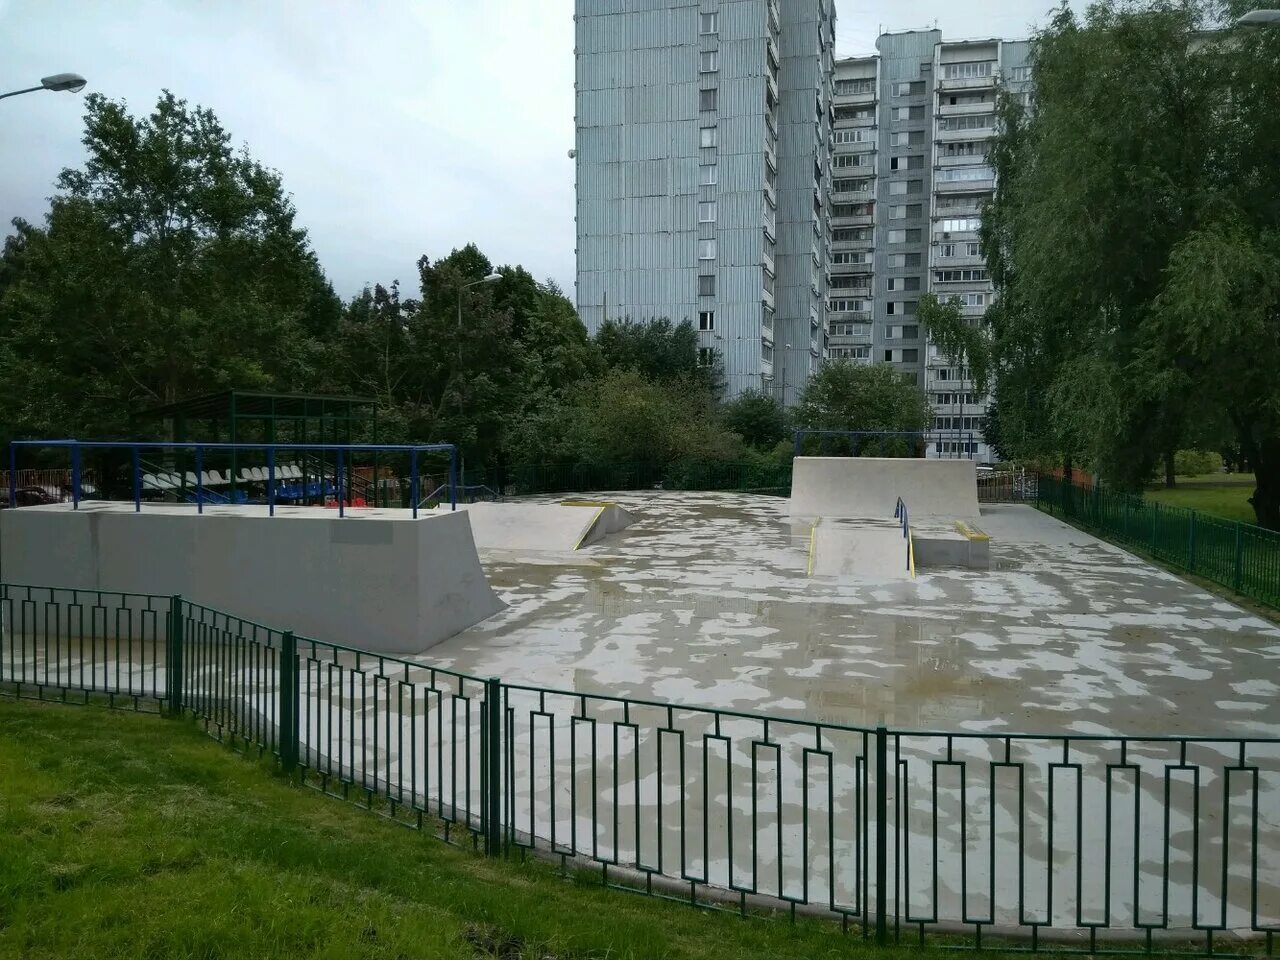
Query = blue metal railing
x=900 y=514
x=858 y=439
x=342 y=452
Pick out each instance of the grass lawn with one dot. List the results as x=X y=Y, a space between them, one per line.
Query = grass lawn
x=1221 y=494
x=126 y=835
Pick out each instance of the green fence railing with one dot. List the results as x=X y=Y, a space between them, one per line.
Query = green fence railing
x=525 y=479
x=1240 y=556
x=1104 y=843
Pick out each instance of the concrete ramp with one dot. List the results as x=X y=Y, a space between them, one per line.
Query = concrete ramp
x=376 y=579
x=867 y=549
x=871 y=486
x=550 y=529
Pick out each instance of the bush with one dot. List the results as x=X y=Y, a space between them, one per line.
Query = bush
x=1192 y=463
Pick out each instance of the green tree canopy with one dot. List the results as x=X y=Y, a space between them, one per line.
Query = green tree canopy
x=845 y=395
x=758 y=418
x=168 y=265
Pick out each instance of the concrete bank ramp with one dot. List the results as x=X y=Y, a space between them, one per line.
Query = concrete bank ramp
x=871 y=486
x=375 y=579
x=549 y=530
x=866 y=549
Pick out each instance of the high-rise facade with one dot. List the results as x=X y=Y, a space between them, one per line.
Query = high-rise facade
x=912 y=134
x=702 y=175
x=791 y=205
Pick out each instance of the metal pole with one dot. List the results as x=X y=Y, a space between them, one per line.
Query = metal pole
x=287 y=709
x=75 y=477
x=493 y=768
x=453 y=478
x=13 y=475
x=271 y=481
x=137 y=483
x=341 y=491
x=199 y=479
x=413 y=481
x=882 y=835
x=173 y=658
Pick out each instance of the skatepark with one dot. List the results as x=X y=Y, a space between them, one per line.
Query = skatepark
x=732 y=663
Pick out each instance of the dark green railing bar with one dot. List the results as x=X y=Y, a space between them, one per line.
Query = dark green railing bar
x=882 y=835
x=1238 y=575
x=173 y=658
x=287 y=708
x=492 y=753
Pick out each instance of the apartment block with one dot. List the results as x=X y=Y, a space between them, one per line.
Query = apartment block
x=912 y=132
x=702 y=175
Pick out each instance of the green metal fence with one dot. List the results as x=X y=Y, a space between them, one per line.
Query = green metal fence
x=1240 y=556
x=1063 y=841
x=538 y=478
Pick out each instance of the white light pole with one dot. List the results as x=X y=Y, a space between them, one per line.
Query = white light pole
x=70 y=82
x=1260 y=18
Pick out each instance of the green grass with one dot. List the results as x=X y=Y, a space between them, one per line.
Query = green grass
x=127 y=835
x=1221 y=494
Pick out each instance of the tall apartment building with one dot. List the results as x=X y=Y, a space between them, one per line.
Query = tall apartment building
x=702 y=150
x=912 y=132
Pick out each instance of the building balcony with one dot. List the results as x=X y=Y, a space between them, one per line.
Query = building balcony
x=767 y=263
x=979 y=133
x=854 y=99
x=853 y=196
x=855 y=293
x=960 y=210
x=838 y=246
x=946 y=109
x=843 y=123
x=958 y=236
x=959 y=262
x=768 y=221
x=857 y=220
x=772 y=84
x=965 y=161
x=963 y=186
x=966 y=83
x=843 y=269
x=850 y=316
x=771 y=195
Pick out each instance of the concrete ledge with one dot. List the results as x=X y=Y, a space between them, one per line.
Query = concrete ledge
x=379 y=580
x=871 y=486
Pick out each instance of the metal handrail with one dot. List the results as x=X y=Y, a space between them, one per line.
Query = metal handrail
x=76 y=447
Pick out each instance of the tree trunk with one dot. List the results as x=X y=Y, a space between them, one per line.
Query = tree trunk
x=1265 y=457
x=1168 y=469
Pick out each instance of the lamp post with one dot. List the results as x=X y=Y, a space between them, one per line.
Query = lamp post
x=70 y=82
x=491 y=278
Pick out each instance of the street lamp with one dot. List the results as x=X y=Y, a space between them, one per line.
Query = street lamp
x=1260 y=18
x=70 y=82
x=491 y=278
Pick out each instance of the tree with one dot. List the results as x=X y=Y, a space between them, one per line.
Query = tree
x=168 y=265
x=844 y=395
x=758 y=418
x=1126 y=238
x=657 y=348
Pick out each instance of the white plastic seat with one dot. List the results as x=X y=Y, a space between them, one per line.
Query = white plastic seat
x=246 y=474
x=149 y=482
x=206 y=479
x=190 y=478
x=259 y=473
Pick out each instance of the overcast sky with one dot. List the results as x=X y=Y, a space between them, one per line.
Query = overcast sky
x=401 y=127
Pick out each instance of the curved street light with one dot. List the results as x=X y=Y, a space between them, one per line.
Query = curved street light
x=70 y=82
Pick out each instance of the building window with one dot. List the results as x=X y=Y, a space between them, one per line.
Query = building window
x=966 y=71
x=902 y=283
x=709 y=23
x=709 y=62
x=965 y=148
x=850 y=234
x=908 y=113
x=707 y=212
x=972 y=121
x=974 y=275
x=958 y=174
x=946 y=251
x=897 y=236
x=708 y=136
x=907 y=163
x=855 y=135
x=898 y=212
x=897 y=188
x=706 y=286
x=707 y=99
x=766 y=351
x=969 y=299
x=851 y=160
x=1020 y=74
x=956 y=224
x=708 y=175
x=850 y=185
x=707 y=320
x=973 y=248
x=845 y=88
x=706 y=356
x=706 y=249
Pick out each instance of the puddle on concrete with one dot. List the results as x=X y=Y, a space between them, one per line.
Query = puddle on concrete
x=705 y=600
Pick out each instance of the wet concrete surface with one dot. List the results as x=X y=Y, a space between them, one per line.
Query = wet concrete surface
x=706 y=600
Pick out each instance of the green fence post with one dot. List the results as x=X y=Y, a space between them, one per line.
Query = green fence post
x=1191 y=544
x=1238 y=577
x=287 y=708
x=882 y=836
x=173 y=671
x=493 y=767
x=1155 y=517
